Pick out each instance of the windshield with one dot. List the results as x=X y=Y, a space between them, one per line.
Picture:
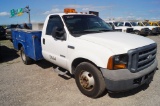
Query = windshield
x=119 y=23
x=155 y=24
x=134 y=24
x=84 y=24
x=115 y=23
x=146 y=24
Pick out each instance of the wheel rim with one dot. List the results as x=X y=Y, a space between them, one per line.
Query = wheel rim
x=87 y=80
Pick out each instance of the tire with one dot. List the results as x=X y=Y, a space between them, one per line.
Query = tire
x=89 y=80
x=26 y=60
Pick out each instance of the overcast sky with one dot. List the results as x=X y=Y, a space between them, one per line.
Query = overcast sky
x=117 y=9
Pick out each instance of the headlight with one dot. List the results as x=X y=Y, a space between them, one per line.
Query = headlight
x=117 y=62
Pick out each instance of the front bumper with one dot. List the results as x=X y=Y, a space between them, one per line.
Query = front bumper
x=122 y=79
x=144 y=32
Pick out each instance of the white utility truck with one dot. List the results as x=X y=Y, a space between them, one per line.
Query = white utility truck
x=139 y=30
x=85 y=46
x=118 y=27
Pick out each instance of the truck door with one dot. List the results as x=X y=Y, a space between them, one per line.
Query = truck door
x=54 y=50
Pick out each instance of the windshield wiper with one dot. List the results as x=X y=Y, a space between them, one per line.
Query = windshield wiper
x=97 y=30
x=91 y=31
x=106 y=30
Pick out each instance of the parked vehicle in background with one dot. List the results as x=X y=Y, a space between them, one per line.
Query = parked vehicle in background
x=139 y=30
x=2 y=33
x=9 y=28
x=154 y=23
x=153 y=29
x=118 y=27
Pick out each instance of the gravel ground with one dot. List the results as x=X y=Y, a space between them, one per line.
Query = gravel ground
x=39 y=85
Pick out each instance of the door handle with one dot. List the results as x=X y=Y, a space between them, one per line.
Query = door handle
x=43 y=41
x=71 y=47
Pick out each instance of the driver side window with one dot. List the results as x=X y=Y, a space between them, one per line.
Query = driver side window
x=127 y=24
x=54 y=21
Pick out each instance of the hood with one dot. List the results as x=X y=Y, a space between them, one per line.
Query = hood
x=118 y=42
x=122 y=27
x=151 y=27
x=139 y=27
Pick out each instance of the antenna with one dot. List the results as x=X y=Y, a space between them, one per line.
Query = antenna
x=27 y=10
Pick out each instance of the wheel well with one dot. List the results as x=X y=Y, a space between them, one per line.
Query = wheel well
x=77 y=61
x=19 y=46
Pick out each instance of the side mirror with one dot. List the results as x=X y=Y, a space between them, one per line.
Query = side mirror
x=58 y=33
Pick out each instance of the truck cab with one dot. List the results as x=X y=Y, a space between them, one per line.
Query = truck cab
x=64 y=30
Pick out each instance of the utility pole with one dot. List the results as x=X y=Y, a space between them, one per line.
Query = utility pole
x=27 y=10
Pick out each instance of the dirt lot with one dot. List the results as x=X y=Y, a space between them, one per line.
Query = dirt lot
x=39 y=85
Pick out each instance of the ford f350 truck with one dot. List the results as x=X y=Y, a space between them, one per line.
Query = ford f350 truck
x=85 y=46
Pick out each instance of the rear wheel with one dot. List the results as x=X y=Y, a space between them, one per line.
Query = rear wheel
x=26 y=60
x=89 y=80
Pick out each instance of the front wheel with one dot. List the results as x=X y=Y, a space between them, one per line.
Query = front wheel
x=89 y=80
x=26 y=60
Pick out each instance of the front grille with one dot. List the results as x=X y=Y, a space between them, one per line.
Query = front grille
x=129 y=30
x=141 y=58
